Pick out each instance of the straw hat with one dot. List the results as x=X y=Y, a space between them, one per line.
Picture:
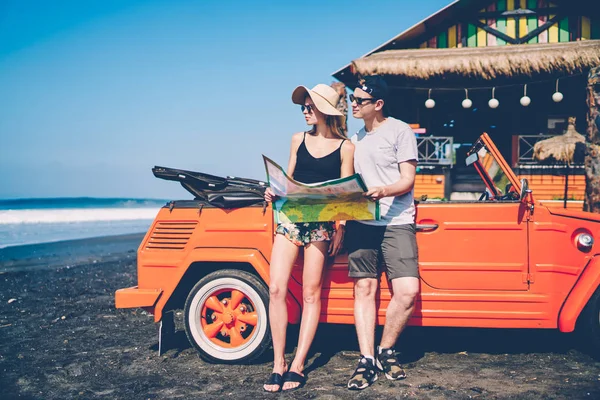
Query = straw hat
x=325 y=98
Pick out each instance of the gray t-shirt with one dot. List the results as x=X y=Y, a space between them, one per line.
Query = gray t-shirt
x=376 y=157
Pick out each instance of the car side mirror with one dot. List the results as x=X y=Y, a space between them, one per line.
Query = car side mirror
x=524 y=189
x=471 y=159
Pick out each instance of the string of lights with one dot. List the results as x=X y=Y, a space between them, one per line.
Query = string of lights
x=525 y=100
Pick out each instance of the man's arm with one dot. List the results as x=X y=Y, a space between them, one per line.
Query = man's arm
x=405 y=184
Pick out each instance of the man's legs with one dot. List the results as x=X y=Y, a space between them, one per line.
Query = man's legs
x=399 y=309
x=400 y=253
x=365 y=314
x=364 y=320
x=363 y=243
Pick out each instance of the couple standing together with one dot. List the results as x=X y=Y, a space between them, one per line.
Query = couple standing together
x=384 y=152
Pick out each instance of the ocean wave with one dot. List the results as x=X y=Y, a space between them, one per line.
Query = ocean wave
x=22 y=234
x=77 y=202
x=37 y=216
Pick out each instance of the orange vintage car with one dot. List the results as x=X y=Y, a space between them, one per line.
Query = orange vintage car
x=505 y=261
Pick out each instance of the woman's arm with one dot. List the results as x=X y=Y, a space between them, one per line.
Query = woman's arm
x=347 y=167
x=296 y=141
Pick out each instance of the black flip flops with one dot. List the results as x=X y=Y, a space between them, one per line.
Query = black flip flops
x=295 y=377
x=274 y=379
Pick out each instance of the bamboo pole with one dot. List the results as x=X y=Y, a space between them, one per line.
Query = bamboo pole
x=566 y=186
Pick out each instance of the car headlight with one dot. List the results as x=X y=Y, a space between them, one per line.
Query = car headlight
x=585 y=241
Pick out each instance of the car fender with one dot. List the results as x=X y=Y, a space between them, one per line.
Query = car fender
x=232 y=255
x=576 y=300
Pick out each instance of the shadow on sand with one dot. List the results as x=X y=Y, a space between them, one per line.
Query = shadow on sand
x=414 y=342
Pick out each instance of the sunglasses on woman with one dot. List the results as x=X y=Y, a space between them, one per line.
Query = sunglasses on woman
x=309 y=108
x=360 y=100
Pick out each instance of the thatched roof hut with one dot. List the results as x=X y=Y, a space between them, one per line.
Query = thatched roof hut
x=523 y=64
x=403 y=58
x=559 y=148
x=483 y=63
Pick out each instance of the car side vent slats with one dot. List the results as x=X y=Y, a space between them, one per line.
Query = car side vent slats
x=170 y=235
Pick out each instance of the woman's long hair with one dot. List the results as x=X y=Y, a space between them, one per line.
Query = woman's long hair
x=335 y=124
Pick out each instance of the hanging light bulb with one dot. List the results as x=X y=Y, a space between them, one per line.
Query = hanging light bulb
x=525 y=100
x=493 y=103
x=429 y=103
x=557 y=96
x=467 y=103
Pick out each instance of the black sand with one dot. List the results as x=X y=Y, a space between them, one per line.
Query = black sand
x=61 y=338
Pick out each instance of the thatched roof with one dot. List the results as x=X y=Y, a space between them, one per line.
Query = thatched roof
x=455 y=12
x=559 y=148
x=483 y=62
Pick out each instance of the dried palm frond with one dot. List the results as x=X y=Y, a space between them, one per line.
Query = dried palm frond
x=561 y=148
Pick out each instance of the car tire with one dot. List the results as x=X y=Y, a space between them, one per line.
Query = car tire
x=590 y=324
x=226 y=317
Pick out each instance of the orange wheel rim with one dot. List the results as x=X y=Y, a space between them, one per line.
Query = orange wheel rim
x=229 y=318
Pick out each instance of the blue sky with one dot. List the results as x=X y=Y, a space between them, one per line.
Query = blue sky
x=95 y=93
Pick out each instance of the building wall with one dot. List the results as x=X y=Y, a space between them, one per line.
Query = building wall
x=567 y=29
x=552 y=187
x=545 y=185
x=430 y=186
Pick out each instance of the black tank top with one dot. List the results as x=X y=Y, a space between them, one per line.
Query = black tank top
x=311 y=170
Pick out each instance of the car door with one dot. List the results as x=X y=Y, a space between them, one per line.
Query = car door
x=477 y=245
x=473 y=245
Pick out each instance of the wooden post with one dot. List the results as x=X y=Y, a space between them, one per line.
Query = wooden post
x=592 y=142
x=566 y=185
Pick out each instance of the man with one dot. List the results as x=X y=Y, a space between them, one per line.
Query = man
x=386 y=157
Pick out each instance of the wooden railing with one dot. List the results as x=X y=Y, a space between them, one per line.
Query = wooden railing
x=436 y=150
x=523 y=151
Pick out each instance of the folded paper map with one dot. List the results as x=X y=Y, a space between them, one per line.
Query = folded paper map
x=334 y=200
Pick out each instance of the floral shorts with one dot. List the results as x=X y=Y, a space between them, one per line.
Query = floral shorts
x=304 y=233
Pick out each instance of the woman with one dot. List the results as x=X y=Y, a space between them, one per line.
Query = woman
x=318 y=155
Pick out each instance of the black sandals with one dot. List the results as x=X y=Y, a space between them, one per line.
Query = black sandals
x=295 y=377
x=274 y=379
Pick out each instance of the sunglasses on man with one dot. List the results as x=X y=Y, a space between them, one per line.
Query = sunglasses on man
x=361 y=100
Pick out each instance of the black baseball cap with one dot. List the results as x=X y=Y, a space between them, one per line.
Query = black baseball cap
x=375 y=85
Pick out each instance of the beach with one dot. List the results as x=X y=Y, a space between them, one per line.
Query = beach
x=61 y=337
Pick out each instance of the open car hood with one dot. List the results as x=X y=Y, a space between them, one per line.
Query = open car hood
x=220 y=192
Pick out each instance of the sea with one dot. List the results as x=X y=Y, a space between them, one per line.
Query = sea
x=44 y=220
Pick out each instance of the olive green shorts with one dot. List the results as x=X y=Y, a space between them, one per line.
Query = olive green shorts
x=394 y=246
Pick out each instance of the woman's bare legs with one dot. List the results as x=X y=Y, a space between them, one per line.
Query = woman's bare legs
x=283 y=255
x=315 y=255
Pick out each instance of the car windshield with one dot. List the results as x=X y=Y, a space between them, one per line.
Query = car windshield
x=493 y=175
